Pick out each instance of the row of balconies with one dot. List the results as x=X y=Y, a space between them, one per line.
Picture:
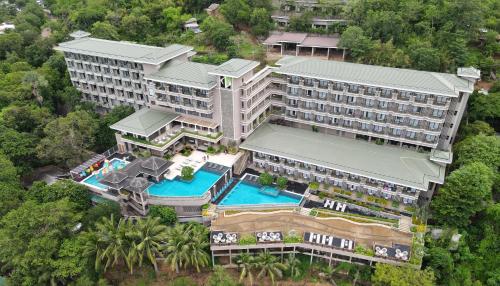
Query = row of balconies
x=164 y=93
x=106 y=70
x=392 y=94
x=428 y=138
x=181 y=90
x=102 y=61
x=188 y=106
x=346 y=181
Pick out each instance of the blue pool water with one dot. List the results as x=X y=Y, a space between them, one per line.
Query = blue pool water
x=202 y=181
x=246 y=194
x=93 y=179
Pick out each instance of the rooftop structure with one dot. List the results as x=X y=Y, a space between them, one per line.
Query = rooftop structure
x=288 y=42
x=186 y=73
x=389 y=164
x=145 y=122
x=235 y=68
x=385 y=77
x=123 y=50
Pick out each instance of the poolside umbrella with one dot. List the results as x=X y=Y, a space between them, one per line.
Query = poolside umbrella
x=115 y=180
x=138 y=185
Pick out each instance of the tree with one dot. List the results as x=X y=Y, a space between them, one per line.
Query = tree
x=11 y=197
x=31 y=237
x=261 y=22
x=237 y=12
x=133 y=26
x=18 y=147
x=71 y=262
x=187 y=173
x=174 y=19
x=76 y=193
x=354 y=40
x=246 y=263
x=484 y=107
x=217 y=33
x=68 y=138
x=293 y=264
x=475 y=128
x=167 y=215
x=186 y=245
x=425 y=58
x=266 y=179
x=389 y=275
x=10 y=42
x=464 y=193
x=479 y=148
x=148 y=237
x=26 y=118
x=37 y=82
x=300 y=23
x=441 y=262
x=270 y=266
x=105 y=136
x=281 y=182
x=8 y=173
x=220 y=277
x=104 y=30
x=102 y=209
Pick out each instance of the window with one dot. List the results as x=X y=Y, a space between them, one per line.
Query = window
x=413 y=122
x=322 y=94
x=321 y=107
x=309 y=92
x=398 y=120
x=319 y=118
x=437 y=113
x=396 y=132
x=370 y=102
x=367 y=114
x=416 y=109
x=323 y=84
x=380 y=117
x=351 y=99
x=410 y=134
x=433 y=125
x=402 y=108
x=338 y=97
x=378 y=128
x=294 y=90
x=383 y=104
x=430 y=138
x=420 y=97
x=348 y=123
x=349 y=111
x=335 y=121
x=364 y=126
x=440 y=100
x=336 y=109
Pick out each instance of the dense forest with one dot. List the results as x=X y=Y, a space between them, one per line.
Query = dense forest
x=53 y=234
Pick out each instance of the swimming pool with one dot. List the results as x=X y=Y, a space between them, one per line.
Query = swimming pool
x=201 y=182
x=93 y=180
x=247 y=194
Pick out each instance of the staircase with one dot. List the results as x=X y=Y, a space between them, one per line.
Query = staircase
x=405 y=223
x=241 y=164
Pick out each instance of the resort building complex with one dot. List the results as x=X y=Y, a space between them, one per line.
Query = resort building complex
x=365 y=130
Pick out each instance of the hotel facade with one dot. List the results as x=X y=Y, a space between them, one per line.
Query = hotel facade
x=381 y=131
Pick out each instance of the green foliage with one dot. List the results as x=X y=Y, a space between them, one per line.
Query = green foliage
x=74 y=192
x=281 y=182
x=247 y=240
x=68 y=138
x=314 y=185
x=211 y=150
x=484 y=107
x=261 y=22
x=167 y=215
x=31 y=237
x=266 y=179
x=105 y=136
x=355 y=41
x=293 y=239
x=182 y=281
x=217 y=33
x=360 y=249
x=187 y=173
x=389 y=275
x=220 y=277
x=465 y=192
x=479 y=148
x=237 y=12
x=104 y=30
x=100 y=210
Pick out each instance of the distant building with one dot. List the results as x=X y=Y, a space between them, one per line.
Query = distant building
x=192 y=25
x=212 y=9
x=6 y=26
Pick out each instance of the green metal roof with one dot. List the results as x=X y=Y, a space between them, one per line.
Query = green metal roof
x=235 y=68
x=386 y=163
x=405 y=79
x=186 y=73
x=144 y=122
x=123 y=50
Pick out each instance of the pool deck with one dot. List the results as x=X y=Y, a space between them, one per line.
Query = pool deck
x=197 y=159
x=285 y=221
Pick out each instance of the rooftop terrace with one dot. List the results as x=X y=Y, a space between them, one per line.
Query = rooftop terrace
x=186 y=73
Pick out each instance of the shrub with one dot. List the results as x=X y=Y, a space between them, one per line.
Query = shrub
x=359 y=195
x=281 y=182
x=313 y=213
x=186 y=152
x=395 y=204
x=248 y=240
x=293 y=239
x=182 y=281
x=322 y=195
x=211 y=150
x=379 y=142
x=232 y=150
x=370 y=198
x=222 y=148
x=167 y=156
x=314 y=185
x=326 y=186
x=205 y=206
x=266 y=179
x=187 y=173
x=167 y=215
x=360 y=249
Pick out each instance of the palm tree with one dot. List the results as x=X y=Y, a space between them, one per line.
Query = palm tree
x=113 y=245
x=246 y=263
x=197 y=246
x=177 y=249
x=148 y=237
x=270 y=266
x=293 y=264
x=328 y=272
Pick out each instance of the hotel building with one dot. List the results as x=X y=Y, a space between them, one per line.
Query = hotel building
x=376 y=130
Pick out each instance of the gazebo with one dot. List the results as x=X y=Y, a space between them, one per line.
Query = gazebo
x=116 y=180
x=155 y=167
x=137 y=186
